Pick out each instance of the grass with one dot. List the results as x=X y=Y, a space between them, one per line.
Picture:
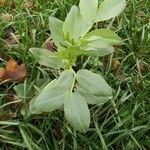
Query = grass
x=120 y=124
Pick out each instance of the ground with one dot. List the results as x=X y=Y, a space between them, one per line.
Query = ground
x=120 y=124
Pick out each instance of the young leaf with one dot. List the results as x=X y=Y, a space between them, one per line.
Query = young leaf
x=107 y=34
x=77 y=112
x=51 y=98
x=93 y=83
x=24 y=91
x=110 y=9
x=46 y=58
x=98 y=47
x=72 y=26
x=56 y=30
x=88 y=10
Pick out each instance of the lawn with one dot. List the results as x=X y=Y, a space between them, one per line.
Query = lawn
x=122 y=123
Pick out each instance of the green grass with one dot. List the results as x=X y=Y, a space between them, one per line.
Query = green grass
x=120 y=124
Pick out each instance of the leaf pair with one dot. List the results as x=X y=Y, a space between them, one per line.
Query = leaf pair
x=80 y=20
x=74 y=30
x=13 y=71
x=91 y=88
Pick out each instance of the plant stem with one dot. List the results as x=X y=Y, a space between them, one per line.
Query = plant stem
x=74 y=79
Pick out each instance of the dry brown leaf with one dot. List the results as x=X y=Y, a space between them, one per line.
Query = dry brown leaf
x=6 y=115
x=49 y=45
x=28 y=4
x=2 y=72
x=8 y=31
x=13 y=71
x=141 y=66
x=2 y=2
x=11 y=65
x=11 y=4
x=115 y=64
x=6 y=17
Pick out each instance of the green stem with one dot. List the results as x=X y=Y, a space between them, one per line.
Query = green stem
x=74 y=140
x=74 y=79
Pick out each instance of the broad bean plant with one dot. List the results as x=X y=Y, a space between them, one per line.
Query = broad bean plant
x=74 y=91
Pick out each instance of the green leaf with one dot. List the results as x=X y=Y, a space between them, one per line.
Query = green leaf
x=93 y=83
x=97 y=47
x=46 y=58
x=99 y=52
x=73 y=24
x=88 y=10
x=77 y=112
x=56 y=31
x=92 y=99
x=24 y=91
x=110 y=9
x=50 y=98
x=65 y=79
x=107 y=34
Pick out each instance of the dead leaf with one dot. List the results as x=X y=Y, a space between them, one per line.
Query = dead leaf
x=11 y=37
x=7 y=115
x=8 y=32
x=6 y=17
x=13 y=71
x=49 y=45
x=2 y=2
x=115 y=64
x=2 y=72
x=28 y=4
x=11 y=65
x=141 y=66
x=11 y=4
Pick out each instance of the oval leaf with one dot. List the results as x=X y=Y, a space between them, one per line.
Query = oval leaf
x=51 y=98
x=107 y=34
x=93 y=83
x=56 y=31
x=65 y=79
x=46 y=58
x=92 y=99
x=77 y=112
x=73 y=24
x=110 y=9
x=98 y=47
x=88 y=10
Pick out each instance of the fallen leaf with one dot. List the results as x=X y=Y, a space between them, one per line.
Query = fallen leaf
x=11 y=37
x=28 y=4
x=2 y=2
x=8 y=32
x=6 y=17
x=115 y=64
x=11 y=4
x=7 y=115
x=11 y=65
x=49 y=45
x=141 y=66
x=2 y=72
x=13 y=71
x=58 y=133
